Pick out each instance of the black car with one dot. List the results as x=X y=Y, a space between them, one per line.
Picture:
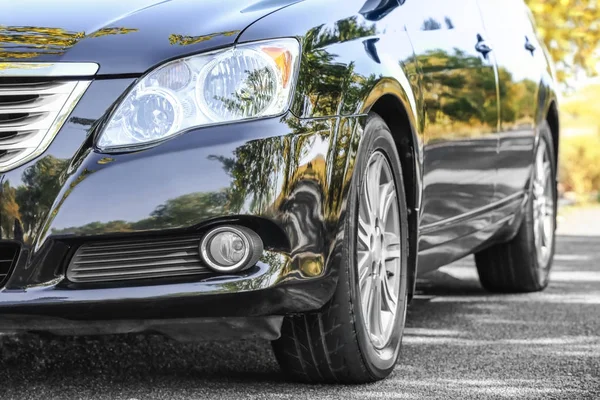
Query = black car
x=280 y=169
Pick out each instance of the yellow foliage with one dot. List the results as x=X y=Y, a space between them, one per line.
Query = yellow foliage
x=580 y=164
x=571 y=32
x=580 y=141
x=580 y=112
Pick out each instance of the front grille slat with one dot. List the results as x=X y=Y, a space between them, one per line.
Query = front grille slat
x=139 y=244
x=30 y=111
x=36 y=88
x=40 y=103
x=142 y=275
x=15 y=137
x=26 y=121
x=133 y=251
x=142 y=269
x=137 y=259
x=121 y=264
x=7 y=155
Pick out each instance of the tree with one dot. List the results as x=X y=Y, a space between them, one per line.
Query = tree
x=184 y=210
x=33 y=41
x=9 y=209
x=571 y=30
x=41 y=185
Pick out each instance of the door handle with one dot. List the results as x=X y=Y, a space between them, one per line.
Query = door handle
x=482 y=47
x=529 y=46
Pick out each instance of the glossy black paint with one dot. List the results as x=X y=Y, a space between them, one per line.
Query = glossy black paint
x=336 y=79
x=226 y=173
x=459 y=89
x=520 y=74
x=464 y=121
x=124 y=37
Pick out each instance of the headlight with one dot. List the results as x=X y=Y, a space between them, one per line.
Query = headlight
x=248 y=81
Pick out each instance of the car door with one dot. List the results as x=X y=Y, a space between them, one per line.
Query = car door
x=459 y=87
x=519 y=57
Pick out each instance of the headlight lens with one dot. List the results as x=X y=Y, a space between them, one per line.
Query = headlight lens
x=248 y=81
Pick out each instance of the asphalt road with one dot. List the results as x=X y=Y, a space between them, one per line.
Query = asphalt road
x=460 y=343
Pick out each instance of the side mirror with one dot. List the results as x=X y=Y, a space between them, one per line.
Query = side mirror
x=374 y=10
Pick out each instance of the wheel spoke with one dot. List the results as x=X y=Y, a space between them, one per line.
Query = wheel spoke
x=372 y=185
x=366 y=295
x=391 y=241
x=375 y=307
x=539 y=160
x=364 y=270
x=389 y=298
x=364 y=230
x=391 y=246
x=547 y=223
x=541 y=233
x=365 y=213
x=547 y=173
x=387 y=197
x=389 y=257
x=364 y=261
x=538 y=189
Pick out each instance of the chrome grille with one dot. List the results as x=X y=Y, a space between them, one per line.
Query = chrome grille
x=31 y=114
x=139 y=259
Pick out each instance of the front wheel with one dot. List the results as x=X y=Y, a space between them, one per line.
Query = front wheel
x=523 y=264
x=356 y=337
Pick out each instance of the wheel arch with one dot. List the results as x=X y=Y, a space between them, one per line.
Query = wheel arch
x=548 y=108
x=552 y=117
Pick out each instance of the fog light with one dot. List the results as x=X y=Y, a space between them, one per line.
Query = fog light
x=228 y=249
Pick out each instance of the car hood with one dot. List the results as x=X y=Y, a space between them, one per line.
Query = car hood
x=123 y=36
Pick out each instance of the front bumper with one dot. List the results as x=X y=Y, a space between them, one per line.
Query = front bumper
x=286 y=176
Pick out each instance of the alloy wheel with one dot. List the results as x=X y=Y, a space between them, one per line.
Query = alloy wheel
x=543 y=205
x=378 y=250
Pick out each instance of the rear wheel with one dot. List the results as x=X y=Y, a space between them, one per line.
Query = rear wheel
x=356 y=337
x=523 y=264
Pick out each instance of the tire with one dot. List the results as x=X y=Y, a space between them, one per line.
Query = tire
x=520 y=265
x=334 y=344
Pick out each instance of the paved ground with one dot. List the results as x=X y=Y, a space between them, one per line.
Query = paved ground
x=460 y=343
x=579 y=221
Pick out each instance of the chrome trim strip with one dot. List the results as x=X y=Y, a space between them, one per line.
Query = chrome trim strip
x=44 y=70
x=29 y=153
x=438 y=225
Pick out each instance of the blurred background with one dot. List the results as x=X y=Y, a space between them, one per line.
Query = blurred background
x=571 y=30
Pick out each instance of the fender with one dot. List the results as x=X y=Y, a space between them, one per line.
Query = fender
x=351 y=65
x=547 y=98
x=336 y=79
x=406 y=99
x=402 y=98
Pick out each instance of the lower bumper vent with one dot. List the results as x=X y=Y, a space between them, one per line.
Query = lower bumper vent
x=136 y=259
x=8 y=257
